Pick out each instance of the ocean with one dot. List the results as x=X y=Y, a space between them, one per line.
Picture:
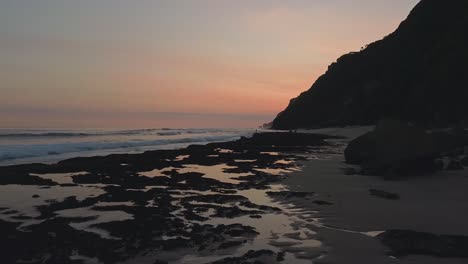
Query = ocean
x=19 y=146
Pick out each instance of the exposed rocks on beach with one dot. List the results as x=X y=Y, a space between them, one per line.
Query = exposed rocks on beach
x=161 y=203
x=201 y=204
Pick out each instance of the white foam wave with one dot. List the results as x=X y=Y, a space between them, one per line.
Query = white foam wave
x=11 y=152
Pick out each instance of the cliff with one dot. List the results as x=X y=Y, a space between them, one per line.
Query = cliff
x=418 y=73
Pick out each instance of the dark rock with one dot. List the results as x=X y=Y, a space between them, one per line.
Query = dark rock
x=10 y=212
x=189 y=215
x=176 y=243
x=384 y=194
x=36 y=196
x=464 y=161
x=320 y=202
x=454 y=165
x=400 y=148
x=53 y=241
x=10 y=176
x=350 y=171
x=257 y=257
x=230 y=244
x=234 y=211
x=390 y=142
x=406 y=242
x=21 y=217
x=416 y=73
x=215 y=198
x=290 y=194
x=238 y=230
x=439 y=164
x=280 y=256
x=68 y=185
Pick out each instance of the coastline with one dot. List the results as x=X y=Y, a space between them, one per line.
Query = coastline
x=214 y=203
x=131 y=132
x=229 y=202
x=24 y=146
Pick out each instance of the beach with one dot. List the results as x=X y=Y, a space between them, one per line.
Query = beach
x=435 y=204
x=273 y=198
x=234 y=132
x=201 y=204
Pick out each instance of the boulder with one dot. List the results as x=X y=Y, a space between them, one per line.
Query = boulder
x=401 y=148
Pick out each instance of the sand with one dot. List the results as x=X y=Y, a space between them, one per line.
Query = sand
x=437 y=204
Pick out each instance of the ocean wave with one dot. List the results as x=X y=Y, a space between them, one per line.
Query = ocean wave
x=160 y=132
x=48 y=134
x=20 y=151
x=172 y=133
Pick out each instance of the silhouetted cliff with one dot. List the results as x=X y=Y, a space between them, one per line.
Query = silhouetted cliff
x=418 y=73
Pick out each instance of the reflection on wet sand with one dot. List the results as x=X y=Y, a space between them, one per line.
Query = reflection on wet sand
x=206 y=204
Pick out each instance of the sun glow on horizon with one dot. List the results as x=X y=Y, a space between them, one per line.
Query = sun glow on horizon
x=86 y=58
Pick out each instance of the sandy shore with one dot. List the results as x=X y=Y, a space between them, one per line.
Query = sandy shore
x=437 y=204
x=266 y=199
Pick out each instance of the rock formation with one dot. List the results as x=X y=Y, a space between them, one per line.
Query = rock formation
x=418 y=73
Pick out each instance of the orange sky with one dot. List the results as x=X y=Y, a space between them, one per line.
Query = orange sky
x=100 y=63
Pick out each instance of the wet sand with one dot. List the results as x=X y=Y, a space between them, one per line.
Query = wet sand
x=436 y=204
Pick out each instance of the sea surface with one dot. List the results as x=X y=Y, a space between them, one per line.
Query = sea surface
x=19 y=146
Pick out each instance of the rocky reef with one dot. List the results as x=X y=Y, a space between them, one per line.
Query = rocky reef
x=200 y=204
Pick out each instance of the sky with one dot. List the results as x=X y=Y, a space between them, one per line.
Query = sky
x=173 y=63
